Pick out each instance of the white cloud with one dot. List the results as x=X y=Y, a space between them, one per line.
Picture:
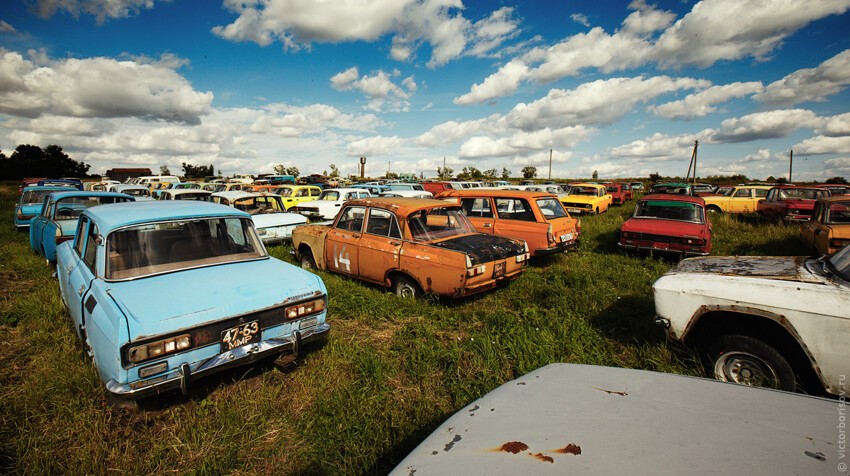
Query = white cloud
x=488 y=34
x=715 y=30
x=377 y=87
x=98 y=87
x=377 y=146
x=819 y=145
x=596 y=102
x=100 y=9
x=659 y=147
x=6 y=28
x=703 y=103
x=720 y=30
x=580 y=18
x=297 y=23
x=810 y=84
x=521 y=143
x=765 y=125
x=835 y=126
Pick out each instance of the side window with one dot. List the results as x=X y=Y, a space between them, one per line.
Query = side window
x=516 y=209
x=315 y=192
x=80 y=237
x=761 y=193
x=90 y=257
x=382 y=223
x=351 y=219
x=742 y=192
x=476 y=207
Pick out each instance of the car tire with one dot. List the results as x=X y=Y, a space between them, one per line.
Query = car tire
x=307 y=261
x=406 y=287
x=714 y=209
x=748 y=361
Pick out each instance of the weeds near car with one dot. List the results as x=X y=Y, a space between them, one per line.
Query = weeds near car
x=391 y=371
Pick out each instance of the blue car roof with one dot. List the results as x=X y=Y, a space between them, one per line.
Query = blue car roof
x=47 y=187
x=115 y=215
x=81 y=193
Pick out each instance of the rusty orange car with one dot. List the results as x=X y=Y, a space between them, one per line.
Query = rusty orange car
x=829 y=228
x=413 y=246
x=536 y=217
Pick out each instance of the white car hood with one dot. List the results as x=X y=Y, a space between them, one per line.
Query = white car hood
x=785 y=268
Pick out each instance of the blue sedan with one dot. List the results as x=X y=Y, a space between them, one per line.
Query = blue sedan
x=162 y=293
x=58 y=219
x=30 y=202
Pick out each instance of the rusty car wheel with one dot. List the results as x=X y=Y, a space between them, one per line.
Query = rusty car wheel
x=406 y=287
x=307 y=261
x=748 y=361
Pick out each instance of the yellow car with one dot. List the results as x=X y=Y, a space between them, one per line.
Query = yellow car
x=587 y=198
x=829 y=229
x=295 y=194
x=740 y=199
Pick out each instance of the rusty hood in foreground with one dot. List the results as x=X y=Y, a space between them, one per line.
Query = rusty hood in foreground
x=580 y=419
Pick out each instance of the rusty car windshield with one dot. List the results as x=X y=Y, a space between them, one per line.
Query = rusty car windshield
x=154 y=248
x=670 y=210
x=438 y=223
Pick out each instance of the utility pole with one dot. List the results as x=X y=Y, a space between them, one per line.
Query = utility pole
x=550 y=164
x=790 y=166
x=693 y=164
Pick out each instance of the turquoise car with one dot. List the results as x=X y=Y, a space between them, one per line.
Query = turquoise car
x=58 y=219
x=31 y=201
x=162 y=293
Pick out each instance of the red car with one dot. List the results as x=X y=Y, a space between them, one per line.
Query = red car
x=666 y=223
x=628 y=193
x=790 y=203
x=616 y=192
x=836 y=188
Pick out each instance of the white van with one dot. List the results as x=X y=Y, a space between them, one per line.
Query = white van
x=146 y=180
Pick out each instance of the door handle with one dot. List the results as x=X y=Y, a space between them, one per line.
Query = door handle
x=487 y=225
x=395 y=243
x=81 y=290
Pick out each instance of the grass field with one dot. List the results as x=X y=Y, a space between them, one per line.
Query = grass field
x=390 y=372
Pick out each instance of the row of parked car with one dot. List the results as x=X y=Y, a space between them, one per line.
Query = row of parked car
x=466 y=242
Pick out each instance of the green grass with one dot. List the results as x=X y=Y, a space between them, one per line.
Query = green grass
x=391 y=371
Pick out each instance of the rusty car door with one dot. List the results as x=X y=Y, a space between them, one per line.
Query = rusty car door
x=479 y=211
x=343 y=241
x=380 y=245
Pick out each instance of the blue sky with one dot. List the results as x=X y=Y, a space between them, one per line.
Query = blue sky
x=621 y=88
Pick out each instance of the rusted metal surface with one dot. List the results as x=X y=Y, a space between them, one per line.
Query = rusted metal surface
x=556 y=421
x=772 y=267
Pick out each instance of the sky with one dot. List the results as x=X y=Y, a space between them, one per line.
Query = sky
x=623 y=89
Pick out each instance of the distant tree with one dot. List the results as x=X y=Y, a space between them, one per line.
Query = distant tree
x=654 y=177
x=280 y=169
x=506 y=174
x=196 y=171
x=491 y=174
x=840 y=180
x=770 y=179
x=595 y=174
x=334 y=171
x=445 y=173
x=292 y=171
x=391 y=176
x=163 y=170
x=782 y=180
x=529 y=172
x=33 y=161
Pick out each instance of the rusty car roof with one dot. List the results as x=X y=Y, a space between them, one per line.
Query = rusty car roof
x=402 y=205
x=493 y=192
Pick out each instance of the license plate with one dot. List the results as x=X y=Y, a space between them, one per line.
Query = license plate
x=499 y=270
x=566 y=237
x=575 y=210
x=240 y=335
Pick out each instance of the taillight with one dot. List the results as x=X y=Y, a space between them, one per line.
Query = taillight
x=838 y=243
x=693 y=241
x=550 y=236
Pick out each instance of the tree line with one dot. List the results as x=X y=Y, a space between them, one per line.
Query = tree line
x=33 y=161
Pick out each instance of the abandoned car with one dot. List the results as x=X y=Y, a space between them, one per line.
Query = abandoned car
x=790 y=203
x=675 y=224
x=58 y=219
x=274 y=224
x=411 y=245
x=771 y=321
x=329 y=203
x=829 y=229
x=587 y=198
x=131 y=277
x=536 y=217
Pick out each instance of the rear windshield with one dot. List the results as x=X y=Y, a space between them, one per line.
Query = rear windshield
x=802 y=194
x=32 y=197
x=551 y=208
x=670 y=210
x=70 y=208
x=154 y=248
x=438 y=223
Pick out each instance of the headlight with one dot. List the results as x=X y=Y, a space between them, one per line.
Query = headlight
x=156 y=349
x=304 y=309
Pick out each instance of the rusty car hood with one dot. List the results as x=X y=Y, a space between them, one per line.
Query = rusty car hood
x=785 y=268
x=482 y=248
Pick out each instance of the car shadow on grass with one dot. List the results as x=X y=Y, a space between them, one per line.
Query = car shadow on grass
x=394 y=455
x=630 y=319
x=790 y=246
